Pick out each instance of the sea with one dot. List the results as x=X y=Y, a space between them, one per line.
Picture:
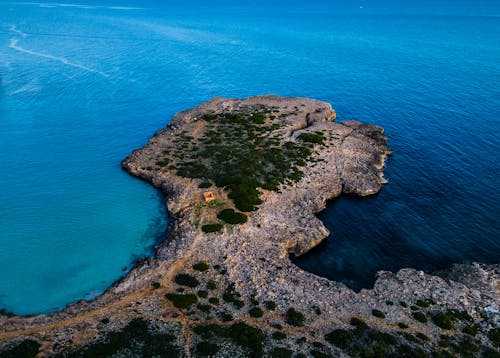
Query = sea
x=84 y=84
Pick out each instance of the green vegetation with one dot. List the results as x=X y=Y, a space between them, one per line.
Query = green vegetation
x=472 y=329
x=278 y=336
x=26 y=349
x=239 y=333
x=206 y=349
x=182 y=301
x=211 y=228
x=378 y=314
x=447 y=319
x=494 y=336
x=425 y=303
x=203 y=294
x=239 y=152
x=402 y=325
x=211 y=285
x=419 y=316
x=270 y=305
x=316 y=137
x=201 y=266
x=232 y=217
x=256 y=312
x=294 y=317
x=230 y=293
x=186 y=280
x=403 y=304
x=204 y=308
x=214 y=301
x=280 y=352
x=135 y=338
x=204 y=185
x=340 y=338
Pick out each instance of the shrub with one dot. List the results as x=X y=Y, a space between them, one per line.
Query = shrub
x=186 y=280
x=155 y=284
x=419 y=316
x=270 y=305
x=340 y=338
x=182 y=301
x=232 y=217
x=278 y=336
x=211 y=228
x=294 y=317
x=256 y=312
x=26 y=349
x=202 y=294
x=204 y=308
x=226 y=316
x=206 y=349
x=360 y=325
x=494 y=336
x=472 y=329
x=402 y=325
x=444 y=320
x=378 y=314
x=204 y=185
x=280 y=352
x=213 y=300
x=403 y=304
x=238 y=304
x=211 y=285
x=201 y=266
x=316 y=138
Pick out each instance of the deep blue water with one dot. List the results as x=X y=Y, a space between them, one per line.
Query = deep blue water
x=82 y=86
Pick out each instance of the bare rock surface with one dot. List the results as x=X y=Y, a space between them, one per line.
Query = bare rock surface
x=248 y=265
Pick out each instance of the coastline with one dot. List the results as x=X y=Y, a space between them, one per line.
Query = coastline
x=284 y=223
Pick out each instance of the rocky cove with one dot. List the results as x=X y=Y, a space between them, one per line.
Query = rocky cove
x=222 y=284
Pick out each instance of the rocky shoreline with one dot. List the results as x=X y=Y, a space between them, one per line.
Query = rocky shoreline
x=204 y=290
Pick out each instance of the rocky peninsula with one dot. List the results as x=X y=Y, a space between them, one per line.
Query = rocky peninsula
x=243 y=180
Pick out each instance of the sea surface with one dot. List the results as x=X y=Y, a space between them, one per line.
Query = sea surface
x=82 y=85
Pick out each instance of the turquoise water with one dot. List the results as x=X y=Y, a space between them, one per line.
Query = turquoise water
x=82 y=86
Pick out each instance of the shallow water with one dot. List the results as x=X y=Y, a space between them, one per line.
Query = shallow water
x=82 y=86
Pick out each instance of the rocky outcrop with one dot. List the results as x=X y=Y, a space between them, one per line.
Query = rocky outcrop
x=248 y=265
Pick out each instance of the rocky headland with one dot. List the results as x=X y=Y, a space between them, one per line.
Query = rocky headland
x=243 y=180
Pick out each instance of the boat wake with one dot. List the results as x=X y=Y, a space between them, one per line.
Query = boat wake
x=14 y=45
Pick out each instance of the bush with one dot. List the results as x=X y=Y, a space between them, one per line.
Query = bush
x=360 y=325
x=419 y=316
x=214 y=301
x=278 y=336
x=211 y=228
x=294 y=317
x=472 y=329
x=186 y=280
x=182 y=301
x=204 y=185
x=256 y=312
x=202 y=294
x=270 y=305
x=280 y=352
x=211 y=285
x=402 y=325
x=340 y=338
x=26 y=349
x=201 y=266
x=232 y=217
x=316 y=138
x=494 y=336
x=378 y=314
x=238 y=304
x=206 y=349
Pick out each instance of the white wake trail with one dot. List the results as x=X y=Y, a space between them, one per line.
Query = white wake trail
x=15 y=30
x=13 y=45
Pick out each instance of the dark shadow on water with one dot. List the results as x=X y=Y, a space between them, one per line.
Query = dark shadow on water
x=370 y=234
